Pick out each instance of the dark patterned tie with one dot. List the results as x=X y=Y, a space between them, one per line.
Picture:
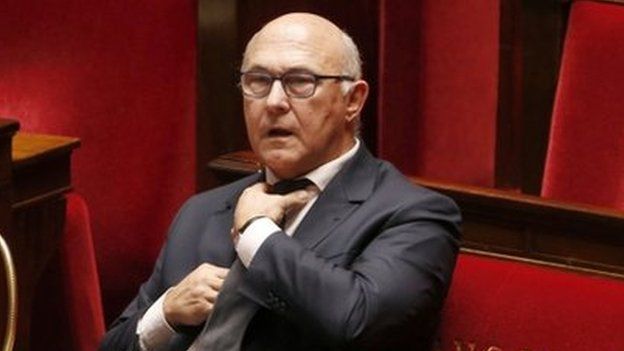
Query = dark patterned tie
x=225 y=327
x=288 y=186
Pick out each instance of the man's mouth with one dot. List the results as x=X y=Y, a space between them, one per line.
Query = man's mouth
x=279 y=132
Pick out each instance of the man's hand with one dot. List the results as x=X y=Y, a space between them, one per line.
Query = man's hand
x=192 y=300
x=256 y=201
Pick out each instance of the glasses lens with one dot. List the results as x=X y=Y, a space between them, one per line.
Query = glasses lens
x=256 y=84
x=299 y=84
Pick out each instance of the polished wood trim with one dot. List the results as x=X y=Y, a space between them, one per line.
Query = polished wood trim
x=50 y=195
x=8 y=128
x=240 y=162
x=510 y=223
x=520 y=202
x=35 y=156
x=617 y=2
x=562 y=267
x=31 y=148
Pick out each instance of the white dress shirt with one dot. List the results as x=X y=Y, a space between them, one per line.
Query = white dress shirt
x=154 y=331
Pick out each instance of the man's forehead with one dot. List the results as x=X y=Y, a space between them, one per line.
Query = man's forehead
x=301 y=24
x=281 y=57
x=296 y=40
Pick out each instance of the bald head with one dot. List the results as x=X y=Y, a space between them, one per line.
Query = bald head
x=328 y=41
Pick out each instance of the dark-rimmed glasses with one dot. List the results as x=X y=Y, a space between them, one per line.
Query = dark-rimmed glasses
x=298 y=85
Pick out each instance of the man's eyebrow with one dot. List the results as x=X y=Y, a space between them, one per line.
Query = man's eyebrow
x=299 y=69
x=294 y=69
x=255 y=68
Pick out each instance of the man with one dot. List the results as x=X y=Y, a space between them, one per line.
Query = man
x=355 y=258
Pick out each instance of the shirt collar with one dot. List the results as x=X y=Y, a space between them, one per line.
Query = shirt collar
x=322 y=175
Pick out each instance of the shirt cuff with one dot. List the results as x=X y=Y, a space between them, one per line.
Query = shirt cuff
x=252 y=238
x=153 y=330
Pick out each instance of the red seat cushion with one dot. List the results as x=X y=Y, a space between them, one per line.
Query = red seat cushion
x=517 y=306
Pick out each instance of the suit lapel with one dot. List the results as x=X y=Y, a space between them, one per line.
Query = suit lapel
x=351 y=186
x=230 y=201
x=211 y=249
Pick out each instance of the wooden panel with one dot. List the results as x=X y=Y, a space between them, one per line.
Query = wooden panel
x=7 y=130
x=39 y=169
x=505 y=222
x=219 y=122
x=531 y=40
x=36 y=231
x=533 y=227
x=509 y=117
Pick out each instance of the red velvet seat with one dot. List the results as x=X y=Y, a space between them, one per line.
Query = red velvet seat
x=503 y=305
x=68 y=312
x=585 y=161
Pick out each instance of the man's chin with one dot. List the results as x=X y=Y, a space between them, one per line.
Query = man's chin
x=285 y=164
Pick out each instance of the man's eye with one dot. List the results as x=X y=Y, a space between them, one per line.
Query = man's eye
x=296 y=80
x=259 y=80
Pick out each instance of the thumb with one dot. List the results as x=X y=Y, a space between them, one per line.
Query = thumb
x=299 y=198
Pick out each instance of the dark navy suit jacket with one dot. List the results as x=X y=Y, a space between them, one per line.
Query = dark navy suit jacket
x=368 y=267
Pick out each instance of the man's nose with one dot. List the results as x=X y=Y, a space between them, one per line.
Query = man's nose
x=277 y=97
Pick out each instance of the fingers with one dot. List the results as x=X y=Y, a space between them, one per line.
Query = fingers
x=216 y=284
x=257 y=188
x=299 y=198
x=220 y=272
x=211 y=296
x=212 y=275
x=192 y=300
x=255 y=201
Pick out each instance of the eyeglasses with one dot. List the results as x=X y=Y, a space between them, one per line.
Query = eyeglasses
x=298 y=85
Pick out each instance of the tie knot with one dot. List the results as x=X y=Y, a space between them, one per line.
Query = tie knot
x=287 y=186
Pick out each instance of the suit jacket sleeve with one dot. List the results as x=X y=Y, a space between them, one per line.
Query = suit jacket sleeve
x=399 y=270
x=182 y=253
x=121 y=335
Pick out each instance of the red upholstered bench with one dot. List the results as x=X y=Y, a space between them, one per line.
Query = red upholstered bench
x=501 y=304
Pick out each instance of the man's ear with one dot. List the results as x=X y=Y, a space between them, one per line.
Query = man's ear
x=358 y=92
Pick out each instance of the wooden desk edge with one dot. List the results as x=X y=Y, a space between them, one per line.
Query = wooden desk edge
x=29 y=148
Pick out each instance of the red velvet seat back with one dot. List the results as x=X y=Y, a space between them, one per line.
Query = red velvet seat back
x=498 y=304
x=67 y=312
x=438 y=80
x=81 y=277
x=119 y=75
x=585 y=161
